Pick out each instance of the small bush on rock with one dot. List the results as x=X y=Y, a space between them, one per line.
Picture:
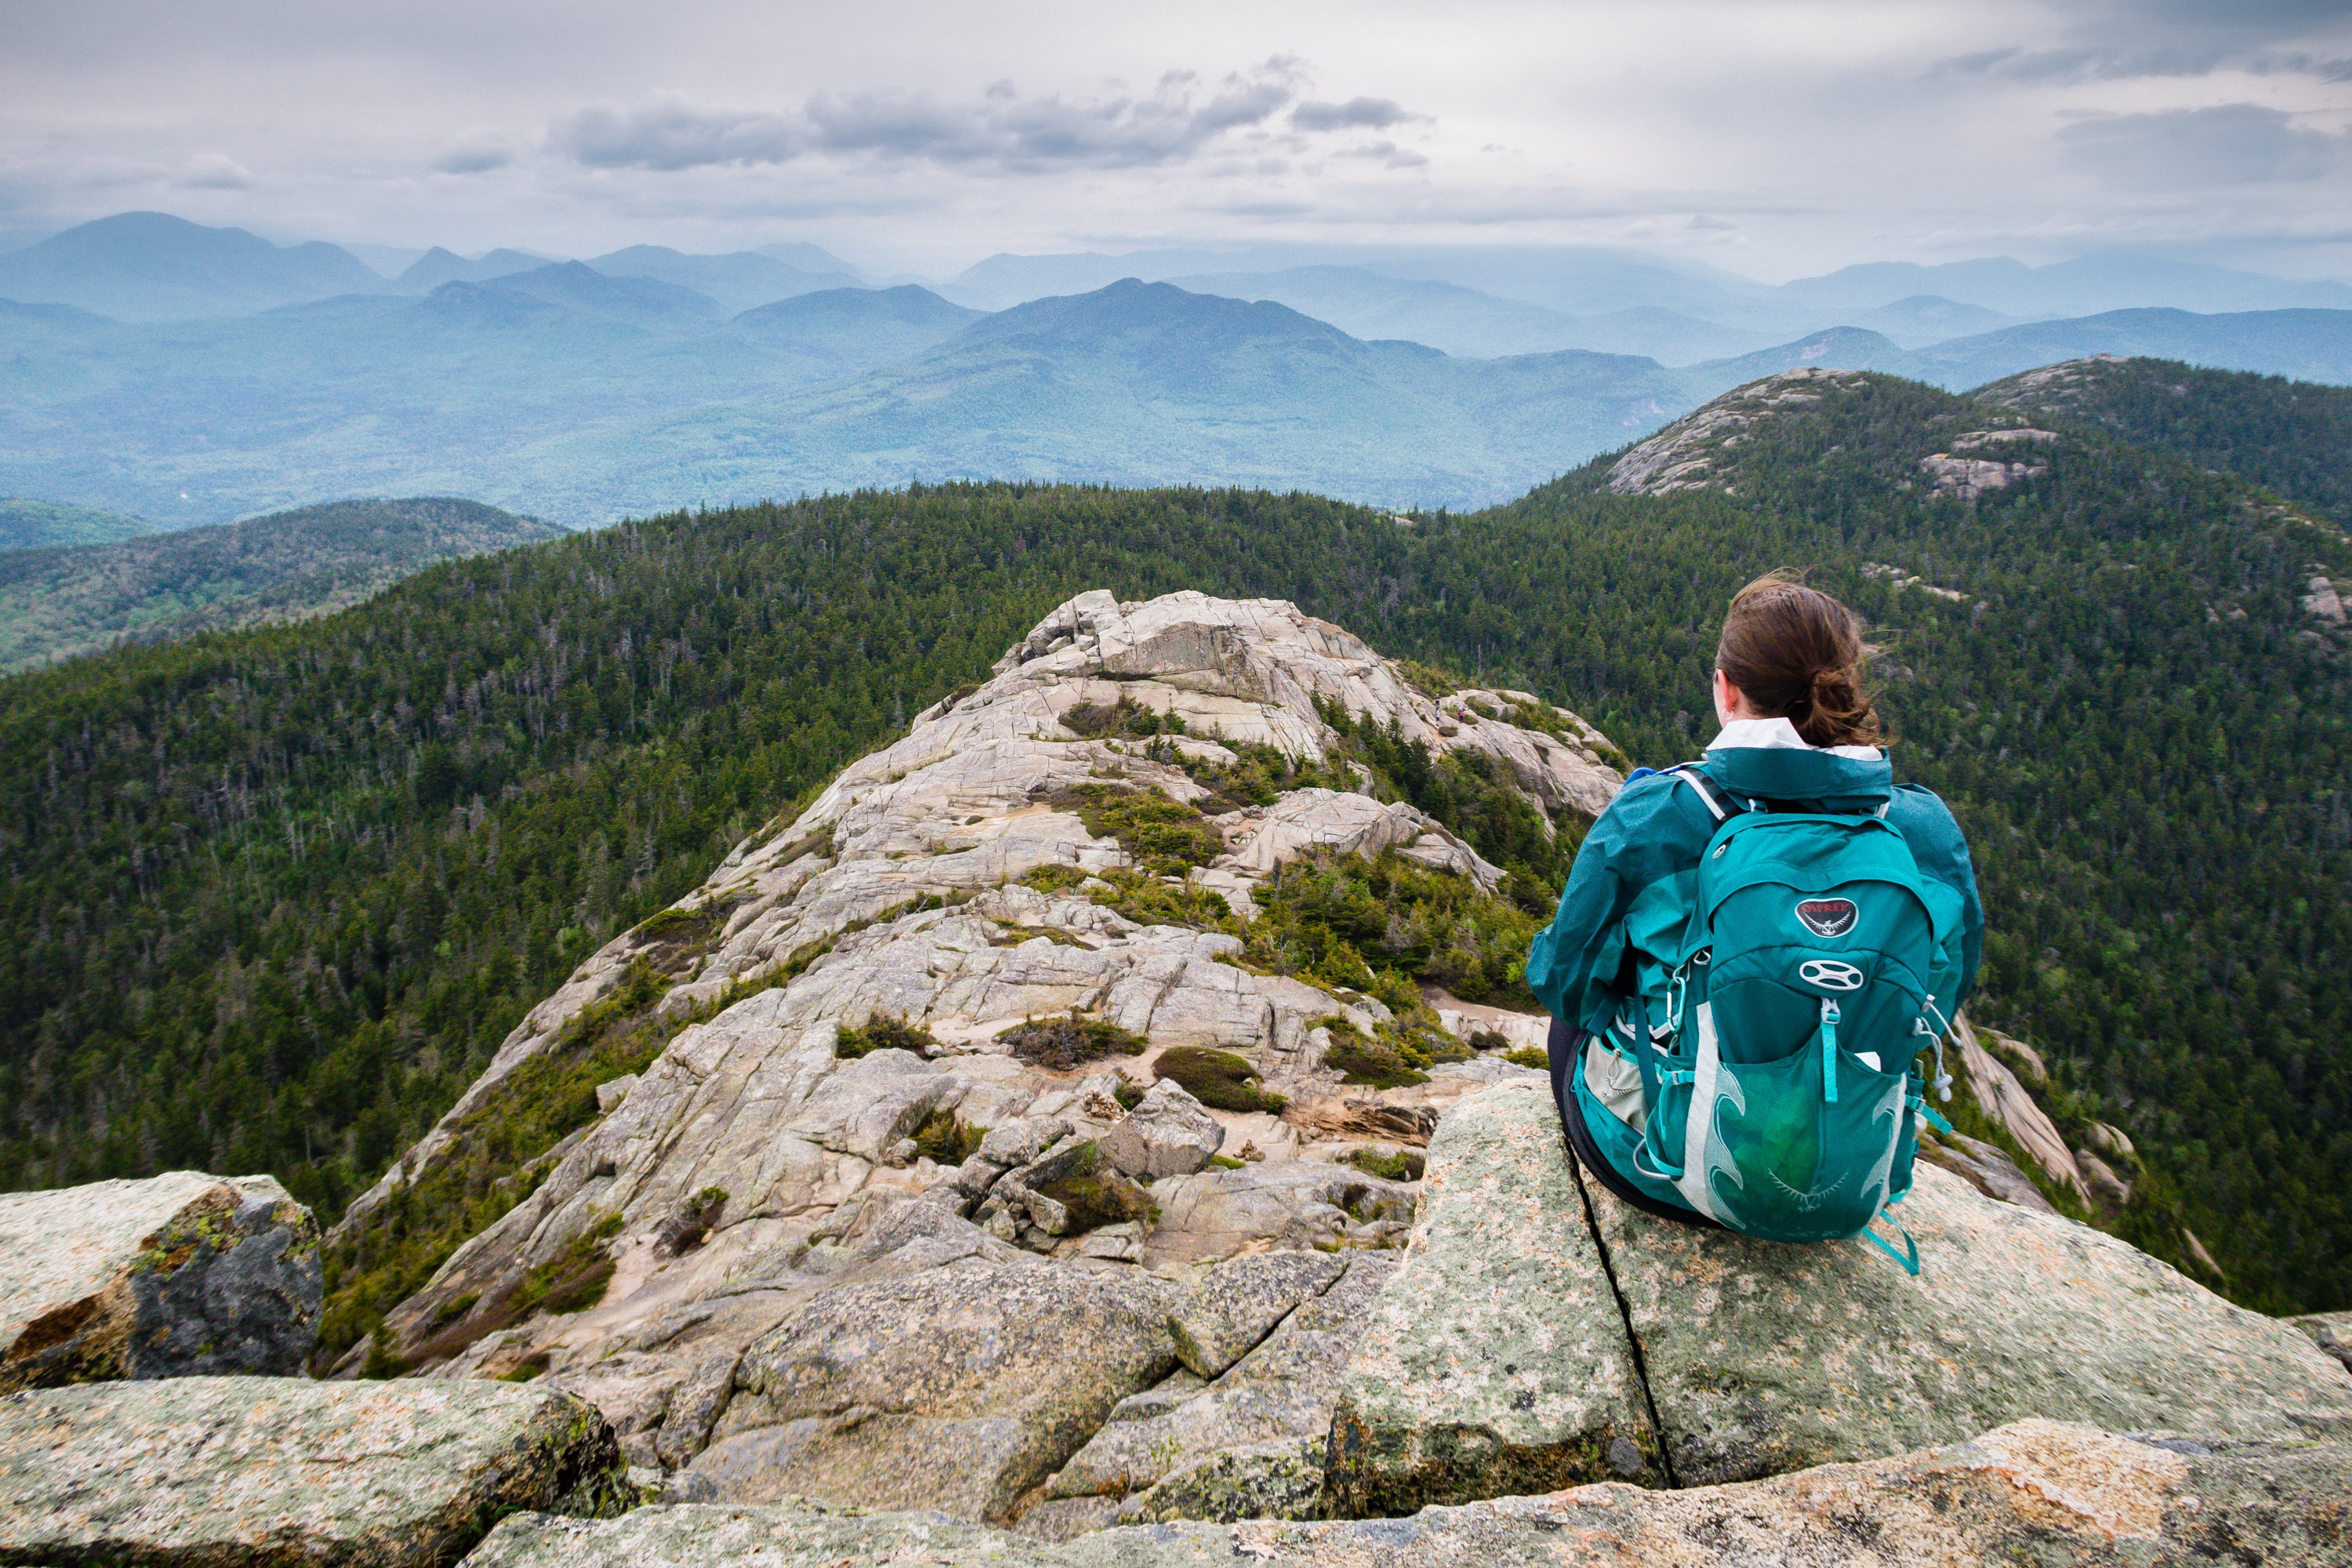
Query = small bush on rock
x=946 y=1139
x=1165 y=837
x=1053 y=877
x=1059 y=1045
x=1219 y=1079
x=885 y=1032
x=1126 y=718
x=1394 y=1057
x=1399 y=1165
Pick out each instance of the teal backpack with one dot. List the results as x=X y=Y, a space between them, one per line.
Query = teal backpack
x=1783 y=990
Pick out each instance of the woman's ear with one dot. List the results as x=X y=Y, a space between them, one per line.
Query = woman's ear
x=1728 y=699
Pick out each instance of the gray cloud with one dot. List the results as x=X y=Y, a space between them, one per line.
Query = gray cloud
x=477 y=152
x=2236 y=143
x=1002 y=128
x=1355 y=114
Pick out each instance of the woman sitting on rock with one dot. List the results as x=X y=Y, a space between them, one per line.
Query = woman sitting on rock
x=1753 y=949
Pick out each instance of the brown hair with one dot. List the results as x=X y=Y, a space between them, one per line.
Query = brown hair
x=1796 y=653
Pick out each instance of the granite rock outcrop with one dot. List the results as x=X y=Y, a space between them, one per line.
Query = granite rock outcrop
x=176 y=1276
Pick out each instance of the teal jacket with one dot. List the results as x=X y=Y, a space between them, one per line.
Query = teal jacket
x=1656 y=827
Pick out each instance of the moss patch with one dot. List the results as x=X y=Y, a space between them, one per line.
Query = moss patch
x=1219 y=1079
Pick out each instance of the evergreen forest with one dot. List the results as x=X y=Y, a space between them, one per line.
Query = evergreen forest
x=275 y=895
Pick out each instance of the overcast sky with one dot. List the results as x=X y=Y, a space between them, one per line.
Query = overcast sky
x=1770 y=137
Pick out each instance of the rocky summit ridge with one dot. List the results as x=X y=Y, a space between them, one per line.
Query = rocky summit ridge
x=988 y=1184
x=863 y=1132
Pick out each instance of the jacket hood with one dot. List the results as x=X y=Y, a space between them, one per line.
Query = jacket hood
x=1765 y=759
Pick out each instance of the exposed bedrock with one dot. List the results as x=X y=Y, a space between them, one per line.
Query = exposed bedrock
x=175 y=1276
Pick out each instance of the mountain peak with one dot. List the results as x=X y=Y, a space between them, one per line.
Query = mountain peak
x=150 y=265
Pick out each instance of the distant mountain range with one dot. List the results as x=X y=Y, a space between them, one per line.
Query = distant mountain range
x=642 y=379
x=575 y=393
x=54 y=604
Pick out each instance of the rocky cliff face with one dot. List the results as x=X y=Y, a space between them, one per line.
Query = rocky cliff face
x=997 y=1175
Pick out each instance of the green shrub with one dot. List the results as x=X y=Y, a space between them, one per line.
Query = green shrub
x=1151 y=901
x=1059 y=1045
x=885 y=1032
x=1489 y=1040
x=1054 y=876
x=1165 y=837
x=1529 y=1057
x=946 y=1139
x=1219 y=1079
x=1380 y=1062
x=1399 y=1165
x=1125 y=718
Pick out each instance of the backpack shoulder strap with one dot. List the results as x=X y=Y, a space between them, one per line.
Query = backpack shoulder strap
x=1687 y=772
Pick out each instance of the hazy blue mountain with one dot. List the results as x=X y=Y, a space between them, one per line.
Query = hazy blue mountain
x=1839 y=348
x=2308 y=345
x=387 y=262
x=838 y=332
x=1579 y=280
x=152 y=266
x=1137 y=379
x=809 y=258
x=1371 y=305
x=639 y=300
x=437 y=267
x=2085 y=286
x=54 y=604
x=27 y=524
x=738 y=281
x=1469 y=321
x=1923 y=319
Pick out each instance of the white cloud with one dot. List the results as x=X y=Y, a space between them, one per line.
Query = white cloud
x=216 y=171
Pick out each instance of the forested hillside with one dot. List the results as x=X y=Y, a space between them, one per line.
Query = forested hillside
x=37 y=524
x=54 y=604
x=2293 y=436
x=275 y=896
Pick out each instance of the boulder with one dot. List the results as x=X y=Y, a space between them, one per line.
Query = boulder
x=1757 y=1358
x=2034 y=1492
x=1166 y=1134
x=1250 y=1437
x=234 y=1471
x=1218 y=1212
x=958 y=1387
x=1496 y=1360
x=1763 y=1358
x=179 y=1275
x=1241 y=1300
x=2331 y=1331
x=1984 y=1166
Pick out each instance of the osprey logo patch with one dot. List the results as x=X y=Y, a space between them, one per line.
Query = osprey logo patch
x=1828 y=916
